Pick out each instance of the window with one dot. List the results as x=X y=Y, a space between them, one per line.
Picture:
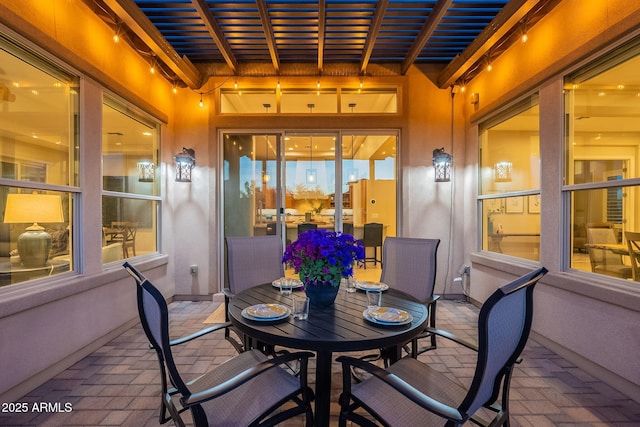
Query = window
x=323 y=101
x=602 y=168
x=130 y=182
x=369 y=101
x=309 y=101
x=509 y=181
x=38 y=165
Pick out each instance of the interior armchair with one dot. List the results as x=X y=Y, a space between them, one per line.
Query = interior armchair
x=603 y=259
x=633 y=243
x=412 y=393
x=247 y=390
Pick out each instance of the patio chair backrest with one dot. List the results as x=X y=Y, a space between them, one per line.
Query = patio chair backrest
x=410 y=265
x=504 y=324
x=154 y=317
x=252 y=261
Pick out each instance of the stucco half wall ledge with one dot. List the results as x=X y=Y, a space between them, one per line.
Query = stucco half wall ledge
x=17 y=298
x=623 y=293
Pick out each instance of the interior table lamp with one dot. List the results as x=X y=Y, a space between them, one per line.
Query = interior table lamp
x=35 y=243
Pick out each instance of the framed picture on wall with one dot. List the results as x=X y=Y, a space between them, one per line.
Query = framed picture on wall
x=494 y=205
x=515 y=204
x=534 y=203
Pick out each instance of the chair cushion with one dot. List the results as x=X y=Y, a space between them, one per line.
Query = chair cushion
x=248 y=401
x=399 y=410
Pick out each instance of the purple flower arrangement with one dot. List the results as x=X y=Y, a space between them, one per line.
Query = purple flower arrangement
x=322 y=257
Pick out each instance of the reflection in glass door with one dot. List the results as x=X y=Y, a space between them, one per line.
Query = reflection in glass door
x=309 y=182
x=250 y=184
x=368 y=182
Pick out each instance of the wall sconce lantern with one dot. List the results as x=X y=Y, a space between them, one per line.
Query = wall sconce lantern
x=442 y=165
x=502 y=171
x=146 y=171
x=185 y=162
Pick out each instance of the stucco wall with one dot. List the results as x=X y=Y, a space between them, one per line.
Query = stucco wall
x=588 y=319
x=47 y=325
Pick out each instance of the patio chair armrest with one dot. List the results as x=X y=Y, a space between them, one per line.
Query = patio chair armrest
x=404 y=388
x=200 y=333
x=446 y=334
x=227 y=293
x=244 y=376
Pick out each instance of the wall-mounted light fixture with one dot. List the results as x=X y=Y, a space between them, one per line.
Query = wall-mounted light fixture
x=442 y=165
x=185 y=162
x=146 y=171
x=502 y=171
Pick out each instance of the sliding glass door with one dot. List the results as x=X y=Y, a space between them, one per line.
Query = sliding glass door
x=279 y=183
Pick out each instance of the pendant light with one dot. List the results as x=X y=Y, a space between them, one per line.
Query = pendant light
x=265 y=175
x=312 y=173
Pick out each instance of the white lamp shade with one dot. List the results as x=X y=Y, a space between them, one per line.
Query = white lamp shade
x=30 y=208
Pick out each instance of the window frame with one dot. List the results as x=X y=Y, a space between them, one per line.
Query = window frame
x=128 y=109
x=517 y=106
x=71 y=180
x=594 y=67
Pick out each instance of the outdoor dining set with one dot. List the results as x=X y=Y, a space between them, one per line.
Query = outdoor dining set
x=278 y=326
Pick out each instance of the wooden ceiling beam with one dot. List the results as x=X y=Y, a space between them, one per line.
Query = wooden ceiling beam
x=322 y=16
x=376 y=23
x=425 y=34
x=216 y=33
x=131 y=15
x=268 y=34
x=510 y=16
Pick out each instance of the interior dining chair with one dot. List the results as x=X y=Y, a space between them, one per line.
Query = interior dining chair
x=411 y=393
x=271 y=229
x=124 y=232
x=251 y=261
x=633 y=243
x=306 y=226
x=603 y=260
x=347 y=228
x=372 y=238
x=249 y=389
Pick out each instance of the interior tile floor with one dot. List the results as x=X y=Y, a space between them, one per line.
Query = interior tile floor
x=119 y=385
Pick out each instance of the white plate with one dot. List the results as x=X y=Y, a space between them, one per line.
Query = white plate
x=296 y=284
x=375 y=286
x=387 y=316
x=266 y=312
